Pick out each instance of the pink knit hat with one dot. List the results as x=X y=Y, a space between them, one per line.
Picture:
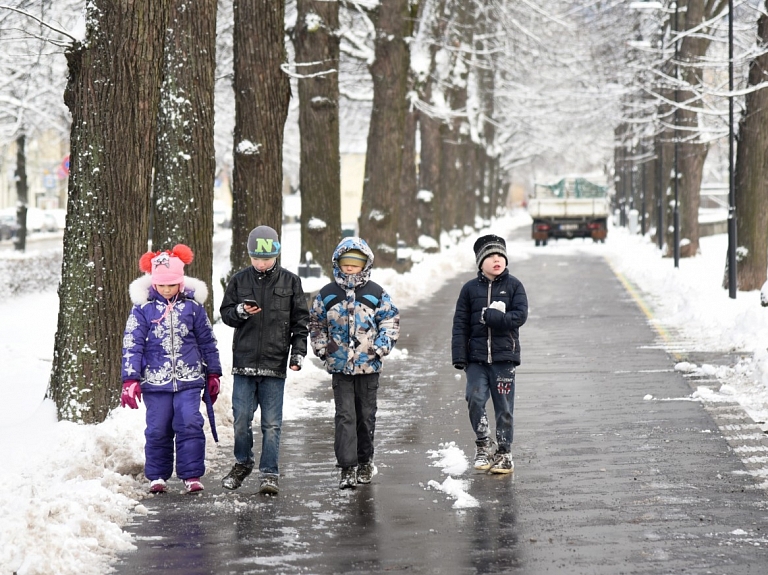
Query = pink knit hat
x=167 y=266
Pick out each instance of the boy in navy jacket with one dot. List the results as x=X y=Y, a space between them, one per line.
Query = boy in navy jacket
x=486 y=344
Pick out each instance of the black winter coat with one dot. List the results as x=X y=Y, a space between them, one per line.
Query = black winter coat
x=497 y=339
x=264 y=341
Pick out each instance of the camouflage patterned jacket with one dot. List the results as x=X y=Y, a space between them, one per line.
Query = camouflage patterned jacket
x=353 y=322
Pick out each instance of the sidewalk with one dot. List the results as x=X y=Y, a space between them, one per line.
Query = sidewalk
x=607 y=480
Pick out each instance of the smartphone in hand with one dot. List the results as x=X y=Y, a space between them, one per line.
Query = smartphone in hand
x=251 y=302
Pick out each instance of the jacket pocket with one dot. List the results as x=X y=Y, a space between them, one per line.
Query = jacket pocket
x=282 y=298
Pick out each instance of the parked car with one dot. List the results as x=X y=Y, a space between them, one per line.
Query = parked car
x=9 y=227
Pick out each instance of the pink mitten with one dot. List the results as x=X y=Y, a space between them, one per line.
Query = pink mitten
x=213 y=387
x=131 y=394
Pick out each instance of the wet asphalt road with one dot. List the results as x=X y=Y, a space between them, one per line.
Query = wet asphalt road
x=606 y=482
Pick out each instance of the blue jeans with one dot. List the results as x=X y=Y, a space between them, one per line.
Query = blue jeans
x=495 y=381
x=248 y=394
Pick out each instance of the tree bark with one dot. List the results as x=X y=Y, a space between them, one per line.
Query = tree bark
x=408 y=228
x=185 y=159
x=383 y=160
x=317 y=43
x=22 y=193
x=262 y=93
x=457 y=161
x=430 y=191
x=113 y=94
x=751 y=184
x=692 y=151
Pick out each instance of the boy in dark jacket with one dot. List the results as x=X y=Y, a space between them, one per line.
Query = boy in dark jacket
x=170 y=355
x=353 y=326
x=266 y=305
x=489 y=312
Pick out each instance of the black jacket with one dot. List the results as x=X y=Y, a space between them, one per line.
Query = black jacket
x=264 y=341
x=497 y=339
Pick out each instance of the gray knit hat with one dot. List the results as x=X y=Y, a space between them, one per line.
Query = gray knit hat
x=489 y=245
x=263 y=243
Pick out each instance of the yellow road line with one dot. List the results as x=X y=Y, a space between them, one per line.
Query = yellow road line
x=641 y=303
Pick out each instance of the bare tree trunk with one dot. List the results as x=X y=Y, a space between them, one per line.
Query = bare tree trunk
x=457 y=148
x=751 y=183
x=262 y=94
x=692 y=151
x=113 y=94
x=185 y=159
x=408 y=229
x=429 y=196
x=22 y=193
x=383 y=160
x=317 y=42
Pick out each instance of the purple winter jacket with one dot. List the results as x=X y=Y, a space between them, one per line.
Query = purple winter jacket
x=169 y=351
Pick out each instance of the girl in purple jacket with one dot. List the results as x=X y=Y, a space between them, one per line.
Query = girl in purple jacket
x=170 y=356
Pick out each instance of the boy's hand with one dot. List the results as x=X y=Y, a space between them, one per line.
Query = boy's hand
x=296 y=361
x=460 y=365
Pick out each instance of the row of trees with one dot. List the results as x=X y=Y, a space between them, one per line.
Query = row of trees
x=141 y=90
x=454 y=96
x=676 y=102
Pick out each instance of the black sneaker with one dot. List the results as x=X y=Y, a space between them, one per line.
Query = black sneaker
x=365 y=472
x=348 y=478
x=235 y=477
x=269 y=485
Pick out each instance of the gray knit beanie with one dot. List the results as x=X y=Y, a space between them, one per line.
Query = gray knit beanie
x=263 y=243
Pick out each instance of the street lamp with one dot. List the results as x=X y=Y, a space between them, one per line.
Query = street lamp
x=731 y=172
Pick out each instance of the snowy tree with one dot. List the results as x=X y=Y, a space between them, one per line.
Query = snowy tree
x=389 y=72
x=751 y=162
x=113 y=93
x=317 y=64
x=33 y=34
x=185 y=162
x=262 y=94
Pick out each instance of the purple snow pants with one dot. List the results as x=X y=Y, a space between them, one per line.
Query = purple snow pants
x=172 y=414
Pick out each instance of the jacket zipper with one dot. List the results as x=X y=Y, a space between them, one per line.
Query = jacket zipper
x=488 y=303
x=173 y=347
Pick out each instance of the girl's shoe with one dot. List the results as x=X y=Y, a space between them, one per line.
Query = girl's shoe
x=157 y=486
x=193 y=485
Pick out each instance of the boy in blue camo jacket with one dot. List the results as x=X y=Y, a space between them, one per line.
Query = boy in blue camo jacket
x=353 y=324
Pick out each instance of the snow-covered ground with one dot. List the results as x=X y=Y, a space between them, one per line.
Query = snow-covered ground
x=74 y=486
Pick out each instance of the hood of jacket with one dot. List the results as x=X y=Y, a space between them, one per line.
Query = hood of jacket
x=352 y=243
x=141 y=290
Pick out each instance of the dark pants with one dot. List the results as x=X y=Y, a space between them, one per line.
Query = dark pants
x=495 y=381
x=355 y=420
x=174 y=415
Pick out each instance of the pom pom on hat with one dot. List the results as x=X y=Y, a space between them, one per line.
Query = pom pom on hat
x=353 y=258
x=489 y=245
x=167 y=266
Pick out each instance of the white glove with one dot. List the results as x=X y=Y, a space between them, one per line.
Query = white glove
x=499 y=305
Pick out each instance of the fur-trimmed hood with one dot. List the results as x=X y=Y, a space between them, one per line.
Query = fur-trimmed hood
x=141 y=288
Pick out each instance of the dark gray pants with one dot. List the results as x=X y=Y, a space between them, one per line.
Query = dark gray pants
x=355 y=420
